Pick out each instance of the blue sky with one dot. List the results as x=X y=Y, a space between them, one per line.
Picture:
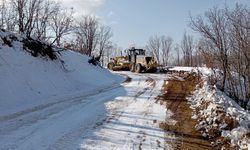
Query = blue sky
x=134 y=21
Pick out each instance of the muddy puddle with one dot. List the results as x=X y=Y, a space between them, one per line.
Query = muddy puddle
x=176 y=89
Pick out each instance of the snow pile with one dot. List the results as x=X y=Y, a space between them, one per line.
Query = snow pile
x=28 y=82
x=220 y=118
x=178 y=68
x=218 y=115
x=201 y=70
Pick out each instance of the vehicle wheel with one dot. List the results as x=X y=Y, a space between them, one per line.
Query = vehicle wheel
x=132 y=67
x=138 y=68
x=111 y=66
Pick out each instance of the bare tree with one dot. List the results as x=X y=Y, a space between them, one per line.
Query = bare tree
x=177 y=50
x=240 y=53
x=154 y=45
x=87 y=33
x=160 y=47
x=26 y=11
x=36 y=18
x=104 y=42
x=3 y=12
x=187 y=47
x=166 y=45
x=43 y=19
x=215 y=30
x=19 y=6
x=8 y=17
x=206 y=55
x=225 y=46
x=62 y=21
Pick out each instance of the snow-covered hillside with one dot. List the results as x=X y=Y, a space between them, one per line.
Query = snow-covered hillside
x=27 y=82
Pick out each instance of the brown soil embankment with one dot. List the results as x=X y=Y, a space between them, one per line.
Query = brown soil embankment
x=176 y=90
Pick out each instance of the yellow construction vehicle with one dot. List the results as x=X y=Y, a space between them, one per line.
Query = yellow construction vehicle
x=119 y=63
x=135 y=61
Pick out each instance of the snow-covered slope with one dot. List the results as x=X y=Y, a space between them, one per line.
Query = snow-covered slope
x=27 y=82
x=215 y=110
x=218 y=115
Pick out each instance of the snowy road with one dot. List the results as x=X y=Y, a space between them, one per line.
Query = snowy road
x=118 y=117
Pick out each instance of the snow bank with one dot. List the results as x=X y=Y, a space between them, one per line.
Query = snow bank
x=28 y=81
x=204 y=70
x=179 y=68
x=219 y=115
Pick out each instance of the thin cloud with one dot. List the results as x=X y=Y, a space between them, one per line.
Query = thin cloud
x=84 y=7
x=113 y=23
x=111 y=13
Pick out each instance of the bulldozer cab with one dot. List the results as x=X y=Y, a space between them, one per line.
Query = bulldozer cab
x=132 y=53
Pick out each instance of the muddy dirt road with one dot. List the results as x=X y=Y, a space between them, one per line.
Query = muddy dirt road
x=176 y=89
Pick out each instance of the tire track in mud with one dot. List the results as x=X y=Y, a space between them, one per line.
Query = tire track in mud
x=176 y=89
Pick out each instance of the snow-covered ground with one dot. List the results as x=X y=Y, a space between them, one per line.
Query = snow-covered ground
x=29 y=83
x=47 y=104
x=122 y=117
x=133 y=120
